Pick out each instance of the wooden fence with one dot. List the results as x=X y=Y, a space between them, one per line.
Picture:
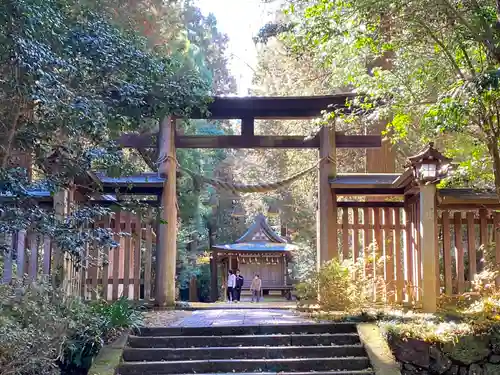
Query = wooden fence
x=370 y=232
x=389 y=232
x=385 y=234
x=466 y=237
x=108 y=273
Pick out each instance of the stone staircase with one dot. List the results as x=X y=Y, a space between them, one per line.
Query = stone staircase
x=298 y=349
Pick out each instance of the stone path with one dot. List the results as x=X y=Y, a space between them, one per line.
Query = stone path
x=239 y=317
x=245 y=342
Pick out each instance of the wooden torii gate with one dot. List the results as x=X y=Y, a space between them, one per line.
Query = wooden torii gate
x=248 y=109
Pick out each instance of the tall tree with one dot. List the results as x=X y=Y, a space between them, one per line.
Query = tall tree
x=444 y=77
x=72 y=80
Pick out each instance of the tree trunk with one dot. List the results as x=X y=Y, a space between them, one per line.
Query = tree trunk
x=7 y=149
x=495 y=154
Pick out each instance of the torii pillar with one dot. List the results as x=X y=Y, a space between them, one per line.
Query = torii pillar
x=327 y=200
x=167 y=246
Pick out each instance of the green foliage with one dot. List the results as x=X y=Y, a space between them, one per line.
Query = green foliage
x=31 y=330
x=118 y=315
x=79 y=74
x=73 y=81
x=334 y=287
x=271 y=30
x=468 y=349
x=431 y=75
x=41 y=329
x=307 y=290
x=429 y=329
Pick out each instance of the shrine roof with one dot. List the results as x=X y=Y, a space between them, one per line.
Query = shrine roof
x=257 y=246
x=151 y=179
x=371 y=183
x=144 y=183
x=259 y=237
x=365 y=179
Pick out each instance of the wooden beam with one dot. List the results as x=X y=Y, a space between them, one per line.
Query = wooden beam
x=358 y=141
x=247 y=127
x=141 y=190
x=368 y=192
x=108 y=203
x=384 y=204
x=133 y=140
x=248 y=140
x=300 y=107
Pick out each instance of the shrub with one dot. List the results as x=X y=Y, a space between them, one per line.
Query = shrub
x=117 y=316
x=41 y=329
x=32 y=329
x=344 y=286
x=307 y=290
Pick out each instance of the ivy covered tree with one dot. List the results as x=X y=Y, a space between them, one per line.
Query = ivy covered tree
x=72 y=80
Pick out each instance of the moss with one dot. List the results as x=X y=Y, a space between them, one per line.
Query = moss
x=109 y=357
x=495 y=341
x=107 y=361
x=491 y=369
x=468 y=349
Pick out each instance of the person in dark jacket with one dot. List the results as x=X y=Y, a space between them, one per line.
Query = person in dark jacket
x=239 y=285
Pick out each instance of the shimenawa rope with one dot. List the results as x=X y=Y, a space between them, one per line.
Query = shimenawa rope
x=245 y=188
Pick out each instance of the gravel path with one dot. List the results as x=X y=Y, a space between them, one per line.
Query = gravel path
x=165 y=318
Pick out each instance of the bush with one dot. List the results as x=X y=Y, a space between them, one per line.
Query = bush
x=44 y=332
x=117 y=316
x=32 y=329
x=343 y=286
x=307 y=290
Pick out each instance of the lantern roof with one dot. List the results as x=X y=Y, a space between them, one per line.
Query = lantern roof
x=428 y=153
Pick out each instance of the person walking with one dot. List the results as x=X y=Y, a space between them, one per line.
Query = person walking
x=231 y=283
x=255 y=288
x=239 y=285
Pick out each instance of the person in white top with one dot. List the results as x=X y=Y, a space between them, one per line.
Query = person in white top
x=231 y=284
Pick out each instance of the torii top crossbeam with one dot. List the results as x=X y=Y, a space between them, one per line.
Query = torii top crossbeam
x=248 y=109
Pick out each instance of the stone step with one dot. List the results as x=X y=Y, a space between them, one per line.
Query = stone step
x=254 y=352
x=244 y=365
x=243 y=340
x=283 y=329
x=334 y=372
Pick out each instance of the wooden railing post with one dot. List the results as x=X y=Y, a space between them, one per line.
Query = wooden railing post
x=167 y=255
x=428 y=247
x=327 y=202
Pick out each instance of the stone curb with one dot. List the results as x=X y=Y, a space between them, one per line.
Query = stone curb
x=109 y=357
x=377 y=348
